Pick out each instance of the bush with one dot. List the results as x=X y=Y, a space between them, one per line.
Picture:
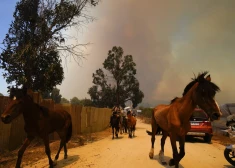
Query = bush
x=146 y=112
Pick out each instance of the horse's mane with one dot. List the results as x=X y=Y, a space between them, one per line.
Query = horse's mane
x=173 y=100
x=203 y=85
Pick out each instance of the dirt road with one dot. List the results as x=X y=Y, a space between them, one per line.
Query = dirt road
x=133 y=153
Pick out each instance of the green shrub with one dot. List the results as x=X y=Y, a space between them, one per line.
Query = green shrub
x=146 y=112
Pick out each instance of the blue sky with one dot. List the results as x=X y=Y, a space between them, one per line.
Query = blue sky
x=7 y=8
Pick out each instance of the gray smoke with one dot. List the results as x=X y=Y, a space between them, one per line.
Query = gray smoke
x=169 y=41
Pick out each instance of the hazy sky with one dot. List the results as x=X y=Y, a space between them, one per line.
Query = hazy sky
x=169 y=40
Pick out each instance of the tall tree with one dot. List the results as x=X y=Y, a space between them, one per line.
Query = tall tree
x=54 y=95
x=86 y=102
x=75 y=100
x=119 y=84
x=30 y=56
x=64 y=100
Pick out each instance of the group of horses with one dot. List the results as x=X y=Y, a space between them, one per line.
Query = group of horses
x=123 y=124
x=173 y=119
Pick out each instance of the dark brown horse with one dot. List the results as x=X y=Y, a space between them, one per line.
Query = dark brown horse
x=115 y=123
x=174 y=118
x=39 y=121
x=124 y=124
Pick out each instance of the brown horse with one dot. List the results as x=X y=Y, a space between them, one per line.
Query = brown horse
x=131 y=123
x=174 y=118
x=39 y=121
x=115 y=123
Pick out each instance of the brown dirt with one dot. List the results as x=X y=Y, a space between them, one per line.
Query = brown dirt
x=135 y=153
x=36 y=150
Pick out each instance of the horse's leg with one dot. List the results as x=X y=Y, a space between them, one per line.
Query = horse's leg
x=154 y=131
x=62 y=144
x=182 y=149
x=48 y=151
x=65 y=151
x=129 y=129
x=134 y=130
x=125 y=128
x=175 y=160
x=113 y=131
x=27 y=141
x=117 y=130
x=161 y=153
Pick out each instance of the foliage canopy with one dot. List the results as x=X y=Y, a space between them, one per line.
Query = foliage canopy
x=119 y=84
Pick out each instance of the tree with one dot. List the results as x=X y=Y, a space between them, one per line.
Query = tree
x=46 y=95
x=64 y=100
x=1 y=94
x=86 y=102
x=119 y=85
x=75 y=100
x=36 y=41
x=54 y=95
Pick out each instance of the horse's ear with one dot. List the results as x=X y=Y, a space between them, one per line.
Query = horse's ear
x=208 y=78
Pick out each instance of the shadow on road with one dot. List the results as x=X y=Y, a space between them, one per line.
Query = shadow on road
x=195 y=140
x=167 y=161
x=119 y=137
x=228 y=166
x=65 y=162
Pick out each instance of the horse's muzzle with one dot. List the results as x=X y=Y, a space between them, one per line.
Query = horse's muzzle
x=6 y=119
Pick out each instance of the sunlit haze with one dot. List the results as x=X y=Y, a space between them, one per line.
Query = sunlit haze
x=169 y=41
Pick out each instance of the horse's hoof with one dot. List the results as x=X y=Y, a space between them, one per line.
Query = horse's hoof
x=65 y=156
x=150 y=156
x=171 y=162
x=53 y=164
x=164 y=163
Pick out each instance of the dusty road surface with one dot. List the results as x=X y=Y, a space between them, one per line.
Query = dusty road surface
x=133 y=153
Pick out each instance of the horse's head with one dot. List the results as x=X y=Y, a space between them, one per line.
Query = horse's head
x=204 y=94
x=14 y=107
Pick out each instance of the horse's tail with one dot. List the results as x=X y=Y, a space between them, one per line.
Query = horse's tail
x=69 y=132
x=149 y=132
x=154 y=123
x=153 y=119
x=159 y=129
